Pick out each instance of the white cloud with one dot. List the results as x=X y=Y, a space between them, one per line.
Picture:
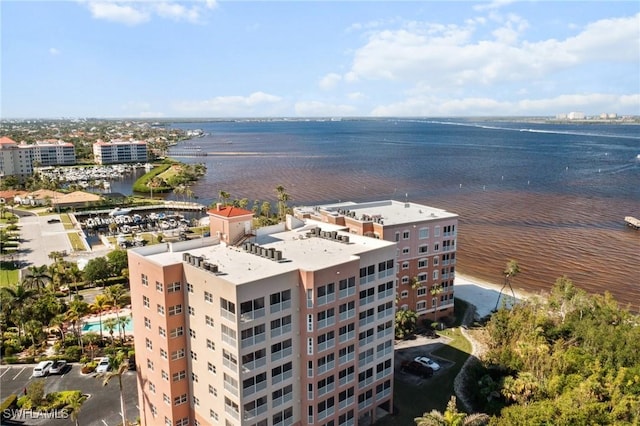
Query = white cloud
x=355 y=96
x=116 y=12
x=53 y=51
x=256 y=104
x=330 y=81
x=138 y=12
x=594 y=103
x=322 y=109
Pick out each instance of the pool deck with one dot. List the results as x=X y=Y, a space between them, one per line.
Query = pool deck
x=110 y=313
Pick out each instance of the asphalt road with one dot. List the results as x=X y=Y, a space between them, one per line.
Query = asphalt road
x=102 y=408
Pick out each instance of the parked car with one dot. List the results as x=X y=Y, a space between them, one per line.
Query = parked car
x=54 y=220
x=416 y=368
x=103 y=365
x=58 y=367
x=42 y=369
x=427 y=362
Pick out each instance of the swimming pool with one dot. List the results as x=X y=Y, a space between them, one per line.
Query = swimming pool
x=94 y=326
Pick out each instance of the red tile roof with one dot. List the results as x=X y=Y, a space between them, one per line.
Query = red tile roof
x=6 y=139
x=229 y=211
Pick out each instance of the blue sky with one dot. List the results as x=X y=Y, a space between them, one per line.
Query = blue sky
x=144 y=59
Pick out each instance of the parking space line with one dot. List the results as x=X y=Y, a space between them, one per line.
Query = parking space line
x=16 y=376
x=104 y=423
x=6 y=370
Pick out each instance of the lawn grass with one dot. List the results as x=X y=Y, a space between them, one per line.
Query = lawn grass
x=9 y=274
x=66 y=221
x=76 y=242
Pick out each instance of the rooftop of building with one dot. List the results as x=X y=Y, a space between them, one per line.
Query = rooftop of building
x=229 y=211
x=5 y=140
x=119 y=142
x=386 y=212
x=298 y=249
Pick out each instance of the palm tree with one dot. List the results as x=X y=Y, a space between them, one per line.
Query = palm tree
x=224 y=197
x=510 y=271
x=115 y=295
x=406 y=321
x=111 y=324
x=283 y=197
x=34 y=329
x=100 y=303
x=76 y=310
x=435 y=292
x=451 y=417
x=74 y=403
x=37 y=277
x=122 y=324
x=18 y=298
x=118 y=364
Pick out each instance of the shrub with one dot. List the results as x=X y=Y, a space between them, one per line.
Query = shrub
x=9 y=402
x=10 y=360
x=73 y=353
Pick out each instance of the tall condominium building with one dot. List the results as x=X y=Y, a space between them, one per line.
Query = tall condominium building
x=426 y=241
x=291 y=327
x=118 y=151
x=54 y=153
x=14 y=159
x=20 y=159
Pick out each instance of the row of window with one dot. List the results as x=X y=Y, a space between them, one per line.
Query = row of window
x=423 y=233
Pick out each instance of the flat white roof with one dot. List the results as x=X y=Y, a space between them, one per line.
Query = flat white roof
x=390 y=211
x=298 y=252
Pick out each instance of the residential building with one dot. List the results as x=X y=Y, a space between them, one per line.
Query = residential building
x=426 y=239
x=119 y=151
x=53 y=153
x=292 y=327
x=20 y=159
x=15 y=160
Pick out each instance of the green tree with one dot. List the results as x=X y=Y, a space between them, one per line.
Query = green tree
x=37 y=277
x=116 y=295
x=97 y=270
x=452 y=417
x=435 y=292
x=283 y=198
x=74 y=404
x=224 y=197
x=33 y=329
x=100 y=303
x=117 y=260
x=406 y=321
x=18 y=298
x=509 y=272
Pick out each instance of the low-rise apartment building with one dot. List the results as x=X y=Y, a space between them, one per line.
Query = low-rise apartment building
x=54 y=153
x=426 y=239
x=20 y=159
x=118 y=151
x=291 y=327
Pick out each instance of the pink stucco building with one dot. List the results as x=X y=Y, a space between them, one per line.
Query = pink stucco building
x=293 y=326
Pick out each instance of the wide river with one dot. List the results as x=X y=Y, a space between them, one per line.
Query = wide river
x=551 y=196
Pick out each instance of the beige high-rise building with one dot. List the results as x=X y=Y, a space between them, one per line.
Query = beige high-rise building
x=426 y=238
x=290 y=327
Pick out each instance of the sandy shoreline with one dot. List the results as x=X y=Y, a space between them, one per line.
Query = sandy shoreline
x=484 y=295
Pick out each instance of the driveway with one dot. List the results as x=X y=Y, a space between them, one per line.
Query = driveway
x=101 y=409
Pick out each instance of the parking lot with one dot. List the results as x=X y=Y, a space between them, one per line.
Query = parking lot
x=102 y=408
x=422 y=346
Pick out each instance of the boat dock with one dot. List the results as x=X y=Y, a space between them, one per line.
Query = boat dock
x=632 y=222
x=167 y=205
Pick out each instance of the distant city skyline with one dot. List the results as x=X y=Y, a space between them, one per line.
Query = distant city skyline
x=208 y=59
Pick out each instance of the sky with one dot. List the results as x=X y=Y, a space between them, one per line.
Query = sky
x=220 y=59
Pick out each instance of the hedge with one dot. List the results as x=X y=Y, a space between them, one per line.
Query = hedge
x=9 y=402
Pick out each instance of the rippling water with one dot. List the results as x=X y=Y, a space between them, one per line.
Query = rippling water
x=553 y=197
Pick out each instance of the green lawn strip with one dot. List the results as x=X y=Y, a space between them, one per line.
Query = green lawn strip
x=140 y=185
x=66 y=221
x=9 y=275
x=76 y=242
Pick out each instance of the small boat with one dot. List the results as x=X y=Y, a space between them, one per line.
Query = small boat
x=119 y=211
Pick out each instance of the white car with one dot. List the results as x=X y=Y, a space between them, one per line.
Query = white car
x=428 y=362
x=103 y=365
x=42 y=369
x=58 y=367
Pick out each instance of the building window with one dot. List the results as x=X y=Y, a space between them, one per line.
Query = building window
x=211 y=345
x=174 y=287
x=423 y=233
x=177 y=332
x=194 y=356
x=405 y=250
x=423 y=249
x=208 y=320
x=160 y=309
x=152 y=388
x=194 y=377
x=436 y=261
x=422 y=291
x=149 y=364
x=228 y=309
x=177 y=354
x=192 y=333
x=175 y=310
x=421 y=306
x=159 y=286
x=145 y=280
x=190 y=287
x=405 y=235
x=397 y=237
x=147 y=323
x=436 y=231
x=423 y=263
x=145 y=301
x=163 y=353
x=279 y=301
x=180 y=375
x=208 y=297
x=149 y=343
x=404 y=294
x=165 y=375
x=405 y=265
x=162 y=332
x=180 y=399
x=211 y=368
x=192 y=310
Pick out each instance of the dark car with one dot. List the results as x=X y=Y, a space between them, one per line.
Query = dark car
x=417 y=369
x=54 y=220
x=132 y=363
